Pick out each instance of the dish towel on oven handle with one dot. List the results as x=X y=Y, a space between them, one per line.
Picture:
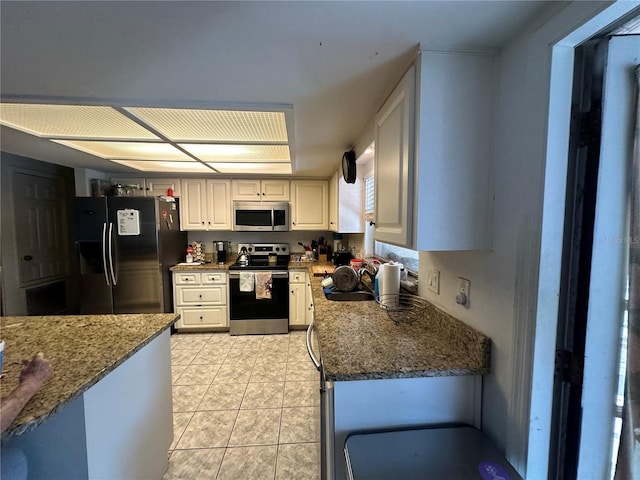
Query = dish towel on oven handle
x=264 y=282
x=246 y=281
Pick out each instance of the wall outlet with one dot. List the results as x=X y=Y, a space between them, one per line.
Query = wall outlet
x=433 y=281
x=462 y=297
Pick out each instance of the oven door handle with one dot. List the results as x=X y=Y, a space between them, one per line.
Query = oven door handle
x=313 y=357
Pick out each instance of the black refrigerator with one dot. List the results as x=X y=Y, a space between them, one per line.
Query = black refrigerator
x=126 y=246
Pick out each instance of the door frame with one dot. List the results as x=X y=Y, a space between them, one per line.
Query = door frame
x=541 y=337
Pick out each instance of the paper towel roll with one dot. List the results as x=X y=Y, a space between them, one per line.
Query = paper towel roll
x=390 y=283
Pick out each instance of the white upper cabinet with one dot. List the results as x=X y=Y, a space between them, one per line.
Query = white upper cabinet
x=149 y=187
x=345 y=205
x=432 y=154
x=157 y=187
x=134 y=186
x=394 y=158
x=309 y=205
x=259 y=190
x=205 y=205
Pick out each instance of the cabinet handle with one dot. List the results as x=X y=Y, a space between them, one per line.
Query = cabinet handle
x=27 y=258
x=372 y=224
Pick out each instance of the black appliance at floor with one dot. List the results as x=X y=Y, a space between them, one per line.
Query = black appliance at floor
x=259 y=290
x=126 y=246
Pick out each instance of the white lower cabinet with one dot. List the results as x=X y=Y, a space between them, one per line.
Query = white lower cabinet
x=201 y=300
x=300 y=299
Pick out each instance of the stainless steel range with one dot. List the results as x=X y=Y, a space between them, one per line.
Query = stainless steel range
x=259 y=290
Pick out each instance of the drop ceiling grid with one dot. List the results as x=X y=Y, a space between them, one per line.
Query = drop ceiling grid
x=129 y=150
x=182 y=125
x=72 y=121
x=238 y=153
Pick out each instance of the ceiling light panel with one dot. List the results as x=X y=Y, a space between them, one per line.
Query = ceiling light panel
x=253 y=168
x=182 y=125
x=72 y=121
x=129 y=150
x=237 y=153
x=166 y=167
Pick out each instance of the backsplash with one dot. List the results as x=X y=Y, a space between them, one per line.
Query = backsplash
x=291 y=237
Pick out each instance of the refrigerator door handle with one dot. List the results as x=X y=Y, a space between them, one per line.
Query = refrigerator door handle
x=111 y=267
x=105 y=265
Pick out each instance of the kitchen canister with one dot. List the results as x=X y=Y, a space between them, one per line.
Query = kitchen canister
x=389 y=283
x=198 y=251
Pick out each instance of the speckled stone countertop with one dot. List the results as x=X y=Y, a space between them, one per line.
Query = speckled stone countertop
x=358 y=341
x=204 y=266
x=82 y=350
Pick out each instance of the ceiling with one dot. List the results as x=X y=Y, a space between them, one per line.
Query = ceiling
x=332 y=62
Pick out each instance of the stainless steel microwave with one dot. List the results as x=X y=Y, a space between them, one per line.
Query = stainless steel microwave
x=260 y=216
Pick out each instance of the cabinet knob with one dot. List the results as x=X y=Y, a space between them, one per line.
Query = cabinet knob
x=200 y=296
x=263 y=193
x=203 y=223
x=372 y=223
x=200 y=317
x=27 y=258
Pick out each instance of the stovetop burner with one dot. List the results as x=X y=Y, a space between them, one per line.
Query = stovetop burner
x=260 y=253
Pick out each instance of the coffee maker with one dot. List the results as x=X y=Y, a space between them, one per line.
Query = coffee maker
x=221 y=251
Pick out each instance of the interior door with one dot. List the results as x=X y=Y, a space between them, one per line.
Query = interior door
x=40 y=230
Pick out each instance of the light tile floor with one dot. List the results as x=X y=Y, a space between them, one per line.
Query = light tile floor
x=244 y=407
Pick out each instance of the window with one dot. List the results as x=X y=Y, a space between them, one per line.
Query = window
x=369 y=192
x=406 y=256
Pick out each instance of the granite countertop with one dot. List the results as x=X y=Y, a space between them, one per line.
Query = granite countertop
x=82 y=350
x=358 y=341
x=204 y=266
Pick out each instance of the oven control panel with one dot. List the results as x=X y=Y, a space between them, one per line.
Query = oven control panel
x=265 y=249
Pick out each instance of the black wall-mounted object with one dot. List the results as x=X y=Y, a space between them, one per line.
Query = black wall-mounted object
x=349 y=166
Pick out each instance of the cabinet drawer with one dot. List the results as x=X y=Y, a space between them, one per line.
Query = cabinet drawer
x=216 y=295
x=297 y=277
x=187 y=278
x=214 y=277
x=204 y=317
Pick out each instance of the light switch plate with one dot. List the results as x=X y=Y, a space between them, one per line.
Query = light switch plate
x=433 y=281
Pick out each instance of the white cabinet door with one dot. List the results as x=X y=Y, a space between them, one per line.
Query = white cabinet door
x=260 y=190
x=275 y=190
x=219 y=205
x=203 y=317
x=135 y=185
x=345 y=205
x=394 y=157
x=193 y=205
x=309 y=305
x=157 y=187
x=309 y=205
x=333 y=202
x=246 y=190
x=205 y=205
x=297 y=303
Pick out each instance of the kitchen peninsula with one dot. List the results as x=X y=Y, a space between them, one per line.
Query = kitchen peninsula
x=106 y=412
x=378 y=374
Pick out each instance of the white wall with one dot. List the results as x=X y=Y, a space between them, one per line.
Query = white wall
x=504 y=281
